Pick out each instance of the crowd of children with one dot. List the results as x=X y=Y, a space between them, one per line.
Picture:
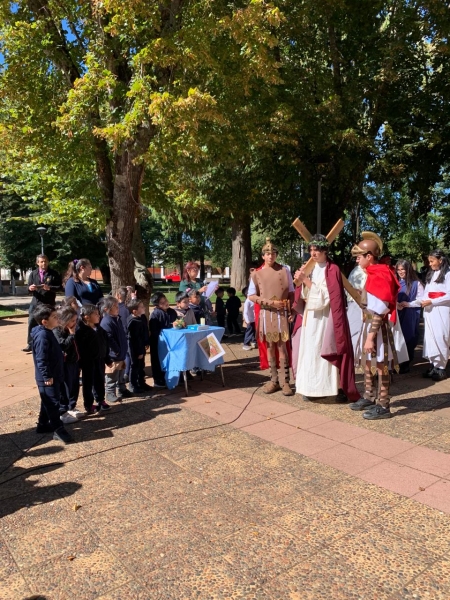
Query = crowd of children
x=103 y=346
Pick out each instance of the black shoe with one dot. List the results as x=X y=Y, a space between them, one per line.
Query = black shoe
x=62 y=435
x=404 y=368
x=147 y=388
x=341 y=398
x=159 y=384
x=126 y=394
x=439 y=375
x=44 y=428
x=361 y=404
x=27 y=348
x=135 y=390
x=428 y=373
x=378 y=412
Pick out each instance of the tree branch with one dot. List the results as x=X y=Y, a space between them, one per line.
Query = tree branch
x=59 y=52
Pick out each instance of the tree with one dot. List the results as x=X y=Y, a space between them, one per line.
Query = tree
x=20 y=242
x=118 y=80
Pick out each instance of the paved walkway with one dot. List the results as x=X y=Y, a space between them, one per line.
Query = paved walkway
x=22 y=302
x=226 y=493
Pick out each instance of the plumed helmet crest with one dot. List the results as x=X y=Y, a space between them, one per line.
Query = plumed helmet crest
x=269 y=247
x=371 y=242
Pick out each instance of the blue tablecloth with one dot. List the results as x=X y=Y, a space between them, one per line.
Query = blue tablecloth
x=178 y=351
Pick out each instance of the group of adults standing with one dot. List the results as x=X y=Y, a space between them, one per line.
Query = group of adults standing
x=44 y=283
x=376 y=333
x=311 y=327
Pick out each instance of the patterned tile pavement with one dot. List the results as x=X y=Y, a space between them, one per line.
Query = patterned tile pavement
x=225 y=493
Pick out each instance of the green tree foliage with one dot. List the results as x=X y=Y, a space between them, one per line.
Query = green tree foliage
x=406 y=234
x=223 y=110
x=20 y=242
x=96 y=91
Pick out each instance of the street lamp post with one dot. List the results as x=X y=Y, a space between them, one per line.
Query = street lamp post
x=319 y=205
x=42 y=231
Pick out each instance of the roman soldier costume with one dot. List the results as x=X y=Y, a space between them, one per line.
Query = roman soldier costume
x=379 y=301
x=270 y=286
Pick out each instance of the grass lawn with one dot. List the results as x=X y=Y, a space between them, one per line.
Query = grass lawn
x=10 y=311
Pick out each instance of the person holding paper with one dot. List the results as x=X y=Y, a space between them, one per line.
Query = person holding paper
x=43 y=283
x=210 y=289
x=190 y=279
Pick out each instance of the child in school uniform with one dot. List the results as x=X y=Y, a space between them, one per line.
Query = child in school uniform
x=114 y=375
x=93 y=347
x=49 y=372
x=138 y=342
x=65 y=335
x=195 y=305
x=220 y=307
x=232 y=305
x=183 y=311
x=124 y=295
x=72 y=302
x=248 y=314
x=162 y=317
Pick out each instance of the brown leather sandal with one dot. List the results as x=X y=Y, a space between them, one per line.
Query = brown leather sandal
x=270 y=387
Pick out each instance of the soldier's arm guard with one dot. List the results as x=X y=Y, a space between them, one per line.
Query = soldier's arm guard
x=376 y=323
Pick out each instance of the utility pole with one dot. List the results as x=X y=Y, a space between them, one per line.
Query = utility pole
x=319 y=205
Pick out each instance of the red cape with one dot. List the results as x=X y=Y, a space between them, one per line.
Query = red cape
x=299 y=304
x=382 y=283
x=342 y=355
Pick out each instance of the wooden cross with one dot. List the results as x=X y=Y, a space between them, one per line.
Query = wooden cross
x=332 y=235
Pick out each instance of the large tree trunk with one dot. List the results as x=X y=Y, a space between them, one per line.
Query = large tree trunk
x=144 y=279
x=241 y=252
x=202 y=266
x=120 y=226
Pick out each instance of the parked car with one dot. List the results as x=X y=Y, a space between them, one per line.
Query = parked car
x=174 y=276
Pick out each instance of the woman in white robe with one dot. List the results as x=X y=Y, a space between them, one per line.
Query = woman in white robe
x=436 y=313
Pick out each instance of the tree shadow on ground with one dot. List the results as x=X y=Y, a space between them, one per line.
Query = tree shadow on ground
x=21 y=487
x=11 y=320
x=23 y=453
x=430 y=403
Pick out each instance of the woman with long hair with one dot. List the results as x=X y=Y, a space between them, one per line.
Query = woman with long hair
x=190 y=280
x=77 y=282
x=436 y=314
x=411 y=289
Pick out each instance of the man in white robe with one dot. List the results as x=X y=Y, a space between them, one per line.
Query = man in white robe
x=325 y=362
